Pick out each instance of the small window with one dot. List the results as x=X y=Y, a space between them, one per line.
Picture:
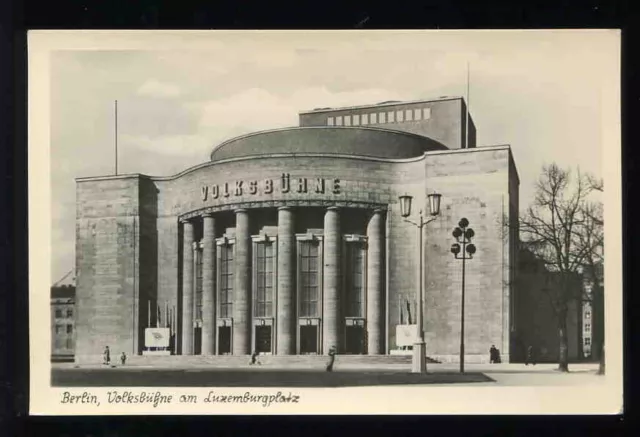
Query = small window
x=587 y=327
x=339 y=121
x=408 y=115
x=400 y=116
x=58 y=313
x=587 y=341
x=356 y=120
x=347 y=120
x=58 y=329
x=426 y=113
x=374 y=118
x=382 y=117
x=365 y=118
x=69 y=329
x=69 y=312
x=417 y=114
x=391 y=117
x=587 y=315
x=330 y=121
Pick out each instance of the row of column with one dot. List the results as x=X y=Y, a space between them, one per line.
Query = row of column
x=286 y=312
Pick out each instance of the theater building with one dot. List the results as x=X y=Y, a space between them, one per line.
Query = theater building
x=290 y=241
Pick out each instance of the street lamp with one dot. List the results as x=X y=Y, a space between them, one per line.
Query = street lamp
x=463 y=235
x=419 y=363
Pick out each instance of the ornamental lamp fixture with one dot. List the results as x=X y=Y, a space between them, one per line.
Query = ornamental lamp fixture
x=434 y=203
x=405 y=205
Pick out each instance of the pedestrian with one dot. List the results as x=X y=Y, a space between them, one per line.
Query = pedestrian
x=123 y=358
x=254 y=358
x=498 y=360
x=332 y=358
x=106 y=355
x=531 y=356
x=492 y=354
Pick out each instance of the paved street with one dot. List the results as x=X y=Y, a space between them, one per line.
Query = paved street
x=439 y=374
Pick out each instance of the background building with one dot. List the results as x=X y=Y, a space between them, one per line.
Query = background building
x=290 y=241
x=62 y=322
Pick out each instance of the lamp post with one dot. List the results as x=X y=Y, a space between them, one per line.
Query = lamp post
x=419 y=363
x=463 y=235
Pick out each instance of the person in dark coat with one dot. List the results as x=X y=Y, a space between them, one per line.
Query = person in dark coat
x=106 y=355
x=123 y=358
x=493 y=354
x=254 y=358
x=332 y=358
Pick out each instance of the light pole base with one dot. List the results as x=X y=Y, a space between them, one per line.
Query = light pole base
x=419 y=363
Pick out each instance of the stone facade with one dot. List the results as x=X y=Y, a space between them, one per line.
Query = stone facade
x=139 y=239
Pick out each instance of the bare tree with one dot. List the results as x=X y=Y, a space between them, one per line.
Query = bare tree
x=553 y=228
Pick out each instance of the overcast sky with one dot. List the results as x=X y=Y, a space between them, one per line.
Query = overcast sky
x=538 y=92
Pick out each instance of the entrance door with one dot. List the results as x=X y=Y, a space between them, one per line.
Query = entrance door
x=263 y=339
x=308 y=340
x=197 y=341
x=355 y=340
x=224 y=340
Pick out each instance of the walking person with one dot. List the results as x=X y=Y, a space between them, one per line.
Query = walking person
x=123 y=358
x=106 y=355
x=332 y=358
x=493 y=353
x=254 y=358
x=531 y=356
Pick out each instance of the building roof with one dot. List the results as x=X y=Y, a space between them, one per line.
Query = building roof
x=63 y=292
x=385 y=103
x=358 y=141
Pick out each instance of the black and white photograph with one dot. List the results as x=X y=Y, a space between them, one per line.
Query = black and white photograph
x=322 y=222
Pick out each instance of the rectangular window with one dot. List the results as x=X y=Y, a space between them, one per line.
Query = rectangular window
x=355 y=280
x=587 y=341
x=347 y=120
x=69 y=329
x=58 y=329
x=69 y=312
x=264 y=280
x=198 y=284
x=225 y=290
x=365 y=118
x=356 y=119
x=408 y=115
x=330 y=121
x=417 y=114
x=382 y=117
x=587 y=327
x=339 y=121
x=69 y=343
x=391 y=117
x=426 y=113
x=58 y=314
x=400 y=116
x=309 y=292
x=587 y=315
x=374 y=118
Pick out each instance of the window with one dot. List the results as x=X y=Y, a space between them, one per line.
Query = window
x=225 y=292
x=69 y=343
x=339 y=121
x=365 y=118
x=69 y=312
x=356 y=120
x=58 y=329
x=69 y=329
x=408 y=115
x=382 y=117
x=587 y=327
x=587 y=341
x=587 y=315
x=309 y=278
x=198 y=283
x=330 y=121
x=374 y=118
x=347 y=120
x=417 y=114
x=400 y=116
x=58 y=313
x=426 y=113
x=264 y=280
x=391 y=117
x=354 y=280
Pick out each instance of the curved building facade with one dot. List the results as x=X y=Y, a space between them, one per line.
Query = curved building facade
x=291 y=241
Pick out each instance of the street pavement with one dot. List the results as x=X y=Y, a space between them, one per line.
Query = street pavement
x=68 y=375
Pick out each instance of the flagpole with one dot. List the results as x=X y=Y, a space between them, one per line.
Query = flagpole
x=116 y=136
x=468 y=103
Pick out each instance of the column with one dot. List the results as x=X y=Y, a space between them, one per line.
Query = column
x=286 y=311
x=187 y=288
x=208 y=286
x=375 y=285
x=242 y=286
x=331 y=332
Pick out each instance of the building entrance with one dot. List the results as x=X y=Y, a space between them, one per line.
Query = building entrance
x=263 y=339
x=354 y=340
x=308 y=339
x=224 y=340
x=197 y=341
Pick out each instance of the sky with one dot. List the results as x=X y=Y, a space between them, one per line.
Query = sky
x=181 y=95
